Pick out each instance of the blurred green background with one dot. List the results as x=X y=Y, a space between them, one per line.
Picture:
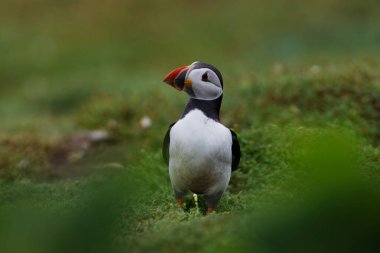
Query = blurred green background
x=83 y=112
x=55 y=54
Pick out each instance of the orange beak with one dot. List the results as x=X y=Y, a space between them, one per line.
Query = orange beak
x=177 y=77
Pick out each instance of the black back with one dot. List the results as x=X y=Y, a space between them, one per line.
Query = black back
x=166 y=145
x=235 y=151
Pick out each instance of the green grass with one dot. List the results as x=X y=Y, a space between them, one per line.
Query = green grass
x=302 y=89
x=301 y=151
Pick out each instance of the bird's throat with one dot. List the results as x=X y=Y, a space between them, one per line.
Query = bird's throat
x=211 y=108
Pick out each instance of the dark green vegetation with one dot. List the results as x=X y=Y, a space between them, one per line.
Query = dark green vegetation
x=302 y=89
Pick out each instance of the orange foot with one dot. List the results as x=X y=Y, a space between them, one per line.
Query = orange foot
x=179 y=203
x=209 y=210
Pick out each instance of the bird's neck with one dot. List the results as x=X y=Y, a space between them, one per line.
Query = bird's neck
x=211 y=108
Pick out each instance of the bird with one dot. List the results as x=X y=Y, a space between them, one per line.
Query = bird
x=199 y=150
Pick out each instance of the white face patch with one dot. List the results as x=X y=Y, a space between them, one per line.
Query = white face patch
x=205 y=84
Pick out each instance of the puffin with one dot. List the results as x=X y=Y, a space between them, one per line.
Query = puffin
x=199 y=150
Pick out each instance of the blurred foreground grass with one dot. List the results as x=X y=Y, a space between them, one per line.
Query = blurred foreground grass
x=300 y=189
x=80 y=171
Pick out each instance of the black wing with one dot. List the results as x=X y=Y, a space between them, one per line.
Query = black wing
x=235 y=151
x=166 y=145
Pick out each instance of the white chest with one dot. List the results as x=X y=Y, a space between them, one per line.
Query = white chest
x=200 y=148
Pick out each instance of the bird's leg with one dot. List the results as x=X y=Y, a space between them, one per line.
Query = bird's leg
x=212 y=201
x=180 y=203
x=179 y=195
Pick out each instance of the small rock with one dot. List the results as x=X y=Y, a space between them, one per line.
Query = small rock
x=145 y=122
x=99 y=135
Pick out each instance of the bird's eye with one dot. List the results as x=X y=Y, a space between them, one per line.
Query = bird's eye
x=205 y=77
